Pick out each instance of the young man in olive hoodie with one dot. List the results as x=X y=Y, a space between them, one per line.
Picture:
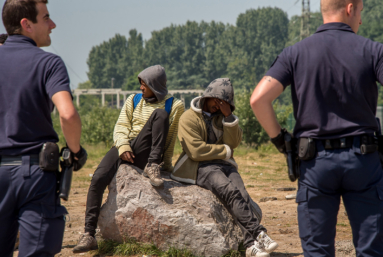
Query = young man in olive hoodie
x=208 y=133
x=144 y=136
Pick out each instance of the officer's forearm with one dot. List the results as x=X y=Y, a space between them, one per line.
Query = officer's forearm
x=71 y=127
x=267 y=118
x=69 y=119
x=261 y=102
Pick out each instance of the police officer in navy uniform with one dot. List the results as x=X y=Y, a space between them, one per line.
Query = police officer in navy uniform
x=333 y=76
x=32 y=81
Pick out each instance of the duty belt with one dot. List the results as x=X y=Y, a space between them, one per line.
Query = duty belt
x=7 y=160
x=368 y=144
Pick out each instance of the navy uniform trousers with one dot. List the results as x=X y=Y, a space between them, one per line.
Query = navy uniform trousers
x=333 y=174
x=29 y=203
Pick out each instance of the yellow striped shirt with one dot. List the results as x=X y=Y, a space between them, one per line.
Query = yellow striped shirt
x=130 y=124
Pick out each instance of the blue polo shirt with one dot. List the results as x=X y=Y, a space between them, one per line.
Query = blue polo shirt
x=29 y=77
x=333 y=76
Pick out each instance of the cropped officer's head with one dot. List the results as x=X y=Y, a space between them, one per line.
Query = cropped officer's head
x=29 y=18
x=346 y=11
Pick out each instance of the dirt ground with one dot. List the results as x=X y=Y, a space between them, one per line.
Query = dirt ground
x=262 y=173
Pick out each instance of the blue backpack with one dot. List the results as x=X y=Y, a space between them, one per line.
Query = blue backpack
x=168 y=103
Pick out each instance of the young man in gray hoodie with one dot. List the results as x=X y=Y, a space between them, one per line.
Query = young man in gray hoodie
x=144 y=136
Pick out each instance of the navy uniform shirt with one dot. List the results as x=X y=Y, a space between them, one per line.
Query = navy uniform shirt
x=333 y=76
x=29 y=77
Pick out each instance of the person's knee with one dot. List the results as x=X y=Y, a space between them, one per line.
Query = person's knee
x=161 y=114
x=98 y=180
x=222 y=185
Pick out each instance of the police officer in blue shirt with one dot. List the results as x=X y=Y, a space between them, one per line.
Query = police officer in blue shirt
x=333 y=76
x=32 y=81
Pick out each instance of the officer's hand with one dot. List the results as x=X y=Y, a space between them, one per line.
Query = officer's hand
x=128 y=156
x=80 y=159
x=279 y=141
x=224 y=107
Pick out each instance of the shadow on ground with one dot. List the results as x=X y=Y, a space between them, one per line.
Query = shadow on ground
x=276 y=254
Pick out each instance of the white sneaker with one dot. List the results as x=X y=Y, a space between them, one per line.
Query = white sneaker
x=268 y=244
x=256 y=250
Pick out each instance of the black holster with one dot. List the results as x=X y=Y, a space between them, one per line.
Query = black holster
x=66 y=173
x=292 y=157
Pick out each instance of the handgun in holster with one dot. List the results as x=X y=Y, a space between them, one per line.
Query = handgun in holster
x=292 y=157
x=66 y=173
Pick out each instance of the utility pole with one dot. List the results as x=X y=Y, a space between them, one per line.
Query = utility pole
x=305 y=19
x=112 y=88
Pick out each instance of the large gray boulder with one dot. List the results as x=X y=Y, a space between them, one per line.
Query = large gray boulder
x=179 y=215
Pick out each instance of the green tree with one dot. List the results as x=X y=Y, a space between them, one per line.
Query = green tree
x=253 y=133
x=372 y=16
x=106 y=62
x=260 y=35
x=294 y=28
x=98 y=125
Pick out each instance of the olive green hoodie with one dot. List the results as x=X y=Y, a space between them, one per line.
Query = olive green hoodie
x=192 y=134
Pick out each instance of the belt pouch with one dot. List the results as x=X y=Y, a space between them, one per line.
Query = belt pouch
x=306 y=148
x=370 y=144
x=49 y=157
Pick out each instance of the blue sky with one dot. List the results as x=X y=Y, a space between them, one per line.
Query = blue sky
x=82 y=24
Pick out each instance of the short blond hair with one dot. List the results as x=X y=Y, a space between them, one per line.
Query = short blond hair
x=331 y=6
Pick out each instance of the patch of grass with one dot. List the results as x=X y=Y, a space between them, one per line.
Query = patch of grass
x=86 y=179
x=234 y=253
x=132 y=247
x=267 y=149
x=248 y=186
x=97 y=151
x=262 y=155
x=342 y=225
x=243 y=150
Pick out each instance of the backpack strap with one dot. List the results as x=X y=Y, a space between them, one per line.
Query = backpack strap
x=168 y=105
x=136 y=99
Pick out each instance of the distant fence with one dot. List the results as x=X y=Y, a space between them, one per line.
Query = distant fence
x=118 y=92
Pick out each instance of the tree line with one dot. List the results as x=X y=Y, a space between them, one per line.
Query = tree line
x=194 y=54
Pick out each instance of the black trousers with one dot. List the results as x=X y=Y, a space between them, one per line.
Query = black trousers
x=226 y=183
x=148 y=147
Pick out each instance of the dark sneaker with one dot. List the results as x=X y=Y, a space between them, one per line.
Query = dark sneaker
x=85 y=243
x=154 y=174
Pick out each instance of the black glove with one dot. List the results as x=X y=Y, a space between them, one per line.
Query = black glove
x=279 y=141
x=81 y=156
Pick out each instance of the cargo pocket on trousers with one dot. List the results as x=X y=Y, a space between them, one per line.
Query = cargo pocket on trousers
x=52 y=228
x=303 y=212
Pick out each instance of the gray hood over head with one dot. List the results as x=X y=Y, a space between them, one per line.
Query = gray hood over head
x=221 y=89
x=155 y=78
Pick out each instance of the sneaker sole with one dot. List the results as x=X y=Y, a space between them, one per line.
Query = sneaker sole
x=85 y=250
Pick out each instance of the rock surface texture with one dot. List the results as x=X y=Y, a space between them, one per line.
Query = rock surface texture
x=179 y=215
